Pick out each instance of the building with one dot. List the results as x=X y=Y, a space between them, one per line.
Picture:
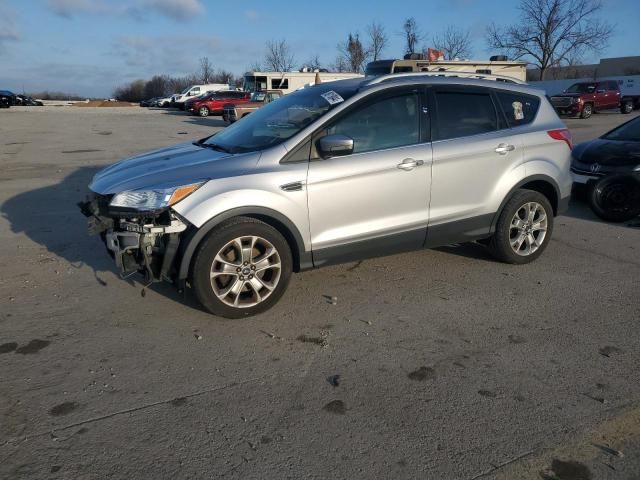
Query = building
x=608 y=67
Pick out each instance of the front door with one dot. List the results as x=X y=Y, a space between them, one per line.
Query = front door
x=373 y=201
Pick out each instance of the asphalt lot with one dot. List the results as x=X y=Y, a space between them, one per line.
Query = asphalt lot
x=451 y=366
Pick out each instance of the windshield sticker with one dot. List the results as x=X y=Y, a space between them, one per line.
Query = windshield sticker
x=332 y=97
x=518 y=114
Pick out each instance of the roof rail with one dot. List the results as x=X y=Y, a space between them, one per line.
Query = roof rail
x=448 y=73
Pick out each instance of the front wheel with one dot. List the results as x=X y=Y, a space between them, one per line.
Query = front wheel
x=587 y=110
x=204 y=111
x=242 y=268
x=524 y=228
x=616 y=198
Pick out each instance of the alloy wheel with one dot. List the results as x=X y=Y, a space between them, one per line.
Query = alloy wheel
x=245 y=271
x=528 y=229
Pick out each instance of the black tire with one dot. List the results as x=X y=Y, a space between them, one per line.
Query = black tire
x=616 y=198
x=203 y=111
x=500 y=244
x=626 y=106
x=587 y=110
x=215 y=242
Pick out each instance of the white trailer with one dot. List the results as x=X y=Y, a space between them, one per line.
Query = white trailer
x=288 y=82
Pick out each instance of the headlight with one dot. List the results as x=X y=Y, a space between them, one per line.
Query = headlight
x=153 y=199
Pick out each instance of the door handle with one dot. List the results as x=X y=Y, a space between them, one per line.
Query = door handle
x=409 y=164
x=503 y=148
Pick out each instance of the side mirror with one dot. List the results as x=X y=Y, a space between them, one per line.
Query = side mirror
x=335 y=145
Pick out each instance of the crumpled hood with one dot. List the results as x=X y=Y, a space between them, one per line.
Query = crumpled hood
x=172 y=166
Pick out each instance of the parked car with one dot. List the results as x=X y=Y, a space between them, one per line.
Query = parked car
x=28 y=101
x=213 y=104
x=338 y=172
x=10 y=97
x=607 y=172
x=233 y=111
x=189 y=103
x=149 y=102
x=178 y=99
x=5 y=100
x=585 y=98
x=163 y=102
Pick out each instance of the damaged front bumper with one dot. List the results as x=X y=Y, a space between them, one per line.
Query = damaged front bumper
x=139 y=242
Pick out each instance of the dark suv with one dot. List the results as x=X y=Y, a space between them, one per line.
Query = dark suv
x=584 y=98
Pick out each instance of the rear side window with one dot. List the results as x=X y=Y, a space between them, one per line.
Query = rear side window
x=519 y=108
x=462 y=114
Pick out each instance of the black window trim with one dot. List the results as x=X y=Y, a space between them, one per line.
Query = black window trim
x=501 y=122
x=418 y=90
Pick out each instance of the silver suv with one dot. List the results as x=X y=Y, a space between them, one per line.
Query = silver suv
x=337 y=172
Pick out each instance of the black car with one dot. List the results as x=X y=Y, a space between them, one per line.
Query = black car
x=28 y=101
x=7 y=98
x=609 y=168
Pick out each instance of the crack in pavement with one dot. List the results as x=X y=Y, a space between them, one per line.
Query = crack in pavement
x=130 y=410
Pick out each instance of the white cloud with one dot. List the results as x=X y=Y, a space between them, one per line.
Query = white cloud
x=8 y=28
x=71 y=8
x=178 y=10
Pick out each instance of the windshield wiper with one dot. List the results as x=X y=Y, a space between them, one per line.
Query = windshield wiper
x=213 y=146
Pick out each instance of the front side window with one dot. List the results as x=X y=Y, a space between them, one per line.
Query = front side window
x=276 y=122
x=462 y=114
x=386 y=123
x=519 y=108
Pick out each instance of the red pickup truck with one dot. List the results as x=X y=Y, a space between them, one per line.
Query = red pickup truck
x=213 y=103
x=587 y=97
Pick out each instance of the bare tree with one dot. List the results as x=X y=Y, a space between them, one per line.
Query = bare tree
x=378 y=40
x=223 y=76
x=206 y=70
x=412 y=34
x=551 y=30
x=340 y=64
x=353 y=53
x=313 y=63
x=278 y=56
x=453 y=42
x=256 y=66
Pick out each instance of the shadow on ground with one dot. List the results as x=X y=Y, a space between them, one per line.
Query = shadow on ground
x=50 y=217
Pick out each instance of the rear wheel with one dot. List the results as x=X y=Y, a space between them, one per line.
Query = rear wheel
x=626 y=106
x=204 y=111
x=587 y=110
x=524 y=228
x=242 y=268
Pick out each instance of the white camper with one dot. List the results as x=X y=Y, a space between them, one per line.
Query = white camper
x=288 y=82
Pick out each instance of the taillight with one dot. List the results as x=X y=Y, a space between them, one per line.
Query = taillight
x=562 y=134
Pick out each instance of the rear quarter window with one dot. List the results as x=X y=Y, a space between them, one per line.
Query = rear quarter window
x=519 y=108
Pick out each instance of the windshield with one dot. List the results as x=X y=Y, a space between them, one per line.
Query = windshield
x=581 y=88
x=282 y=118
x=629 y=132
x=185 y=90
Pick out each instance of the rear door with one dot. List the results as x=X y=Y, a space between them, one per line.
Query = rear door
x=375 y=200
x=474 y=151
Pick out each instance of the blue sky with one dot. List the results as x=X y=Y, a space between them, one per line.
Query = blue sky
x=89 y=47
